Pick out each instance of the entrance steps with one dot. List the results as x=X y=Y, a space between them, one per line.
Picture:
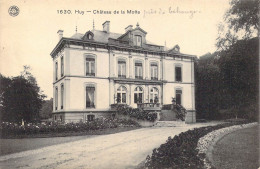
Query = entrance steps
x=170 y=123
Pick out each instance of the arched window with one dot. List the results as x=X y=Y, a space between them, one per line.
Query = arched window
x=138 y=95
x=154 y=95
x=61 y=96
x=56 y=98
x=121 y=95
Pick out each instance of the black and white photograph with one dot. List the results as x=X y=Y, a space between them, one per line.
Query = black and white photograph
x=129 y=84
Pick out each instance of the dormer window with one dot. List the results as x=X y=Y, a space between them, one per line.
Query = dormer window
x=177 y=48
x=88 y=36
x=138 y=40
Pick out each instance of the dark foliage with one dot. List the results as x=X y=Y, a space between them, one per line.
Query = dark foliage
x=180 y=151
x=137 y=113
x=227 y=82
x=21 y=98
x=13 y=129
x=46 y=110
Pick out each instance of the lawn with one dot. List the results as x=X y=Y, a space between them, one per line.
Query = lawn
x=238 y=150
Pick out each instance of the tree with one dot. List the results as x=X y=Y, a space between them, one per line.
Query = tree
x=241 y=21
x=208 y=85
x=239 y=68
x=46 y=109
x=4 y=83
x=21 y=98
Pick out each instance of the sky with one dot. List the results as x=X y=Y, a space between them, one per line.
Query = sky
x=29 y=37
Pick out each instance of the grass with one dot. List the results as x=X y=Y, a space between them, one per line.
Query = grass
x=238 y=150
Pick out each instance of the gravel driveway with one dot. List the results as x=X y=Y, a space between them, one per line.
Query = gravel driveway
x=123 y=150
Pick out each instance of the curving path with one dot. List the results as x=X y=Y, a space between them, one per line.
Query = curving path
x=120 y=150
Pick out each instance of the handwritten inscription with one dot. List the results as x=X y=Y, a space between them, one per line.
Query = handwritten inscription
x=170 y=10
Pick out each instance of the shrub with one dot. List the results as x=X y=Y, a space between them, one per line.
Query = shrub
x=136 y=113
x=13 y=129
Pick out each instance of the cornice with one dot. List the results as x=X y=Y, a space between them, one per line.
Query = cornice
x=66 y=42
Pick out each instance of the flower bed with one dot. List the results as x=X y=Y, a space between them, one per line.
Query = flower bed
x=136 y=113
x=11 y=129
x=181 y=151
x=208 y=140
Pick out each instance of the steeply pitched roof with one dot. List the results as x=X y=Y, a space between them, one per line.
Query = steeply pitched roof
x=99 y=36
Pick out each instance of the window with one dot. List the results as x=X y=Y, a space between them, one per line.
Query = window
x=178 y=74
x=138 y=70
x=56 y=98
x=154 y=95
x=138 y=40
x=121 y=95
x=178 y=96
x=121 y=68
x=56 y=70
x=154 y=71
x=90 y=36
x=90 y=66
x=90 y=97
x=62 y=96
x=61 y=118
x=62 y=66
x=90 y=117
x=138 y=95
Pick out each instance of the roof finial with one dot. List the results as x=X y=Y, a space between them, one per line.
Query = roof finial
x=165 y=43
x=93 y=24
x=76 y=28
x=137 y=25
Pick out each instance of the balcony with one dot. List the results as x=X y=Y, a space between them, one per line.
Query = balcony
x=154 y=78
x=114 y=106
x=122 y=76
x=149 y=106
x=90 y=74
x=139 y=77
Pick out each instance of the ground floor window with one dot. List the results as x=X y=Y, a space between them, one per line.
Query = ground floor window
x=62 y=96
x=154 y=95
x=138 y=95
x=90 y=97
x=90 y=117
x=178 y=96
x=121 y=95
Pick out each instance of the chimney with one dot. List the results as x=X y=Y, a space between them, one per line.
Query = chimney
x=106 y=26
x=60 y=33
x=129 y=27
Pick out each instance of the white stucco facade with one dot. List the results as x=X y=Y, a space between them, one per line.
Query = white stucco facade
x=90 y=75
